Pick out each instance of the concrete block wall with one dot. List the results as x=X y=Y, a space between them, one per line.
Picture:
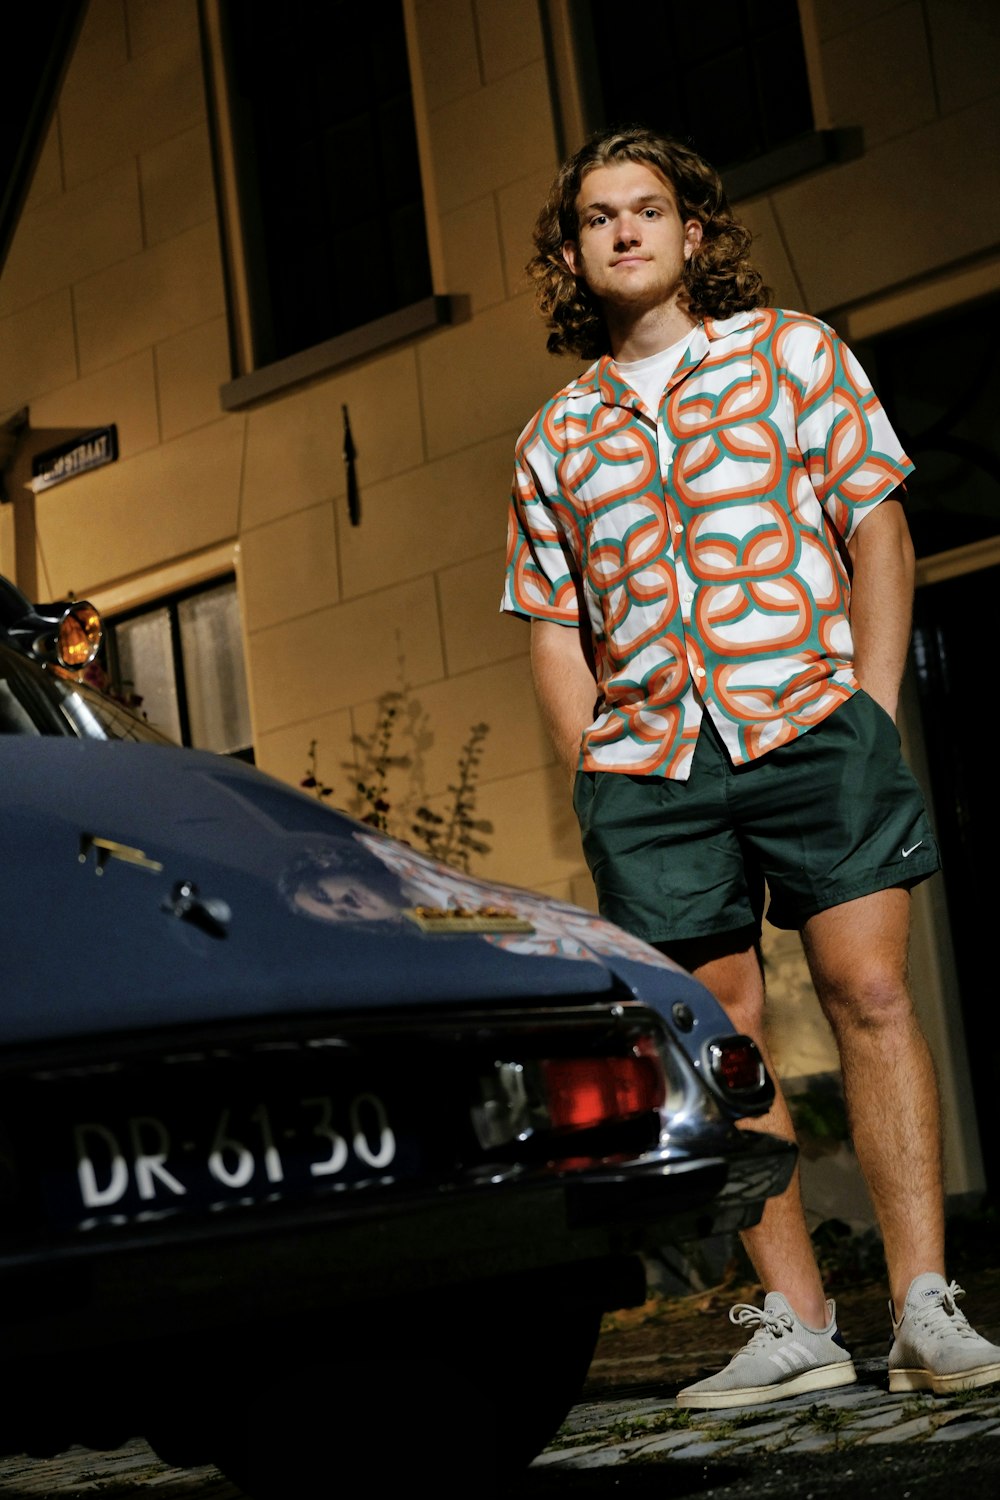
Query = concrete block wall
x=112 y=309
x=921 y=80
x=409 y=599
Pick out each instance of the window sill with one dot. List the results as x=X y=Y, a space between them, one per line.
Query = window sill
x=345 y=349
x=807 y=153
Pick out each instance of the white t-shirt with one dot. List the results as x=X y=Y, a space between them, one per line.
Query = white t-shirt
x=648 y=376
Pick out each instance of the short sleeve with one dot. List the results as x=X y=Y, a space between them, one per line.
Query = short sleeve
x=852 y=455
x=539 y=582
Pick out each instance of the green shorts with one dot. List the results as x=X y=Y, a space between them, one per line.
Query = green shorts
x=834 y=815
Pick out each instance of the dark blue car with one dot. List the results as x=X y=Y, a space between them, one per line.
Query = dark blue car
x=310 y=1146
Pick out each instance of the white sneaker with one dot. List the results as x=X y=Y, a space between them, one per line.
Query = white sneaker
x=935 y=1347
x=783 y=1358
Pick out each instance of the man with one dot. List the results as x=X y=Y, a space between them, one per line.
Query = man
x=706 y=533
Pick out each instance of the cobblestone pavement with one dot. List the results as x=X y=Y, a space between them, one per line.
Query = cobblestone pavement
x=628 y=1435
x=636 y=1428
x=629 y=1432
x=126 y=1472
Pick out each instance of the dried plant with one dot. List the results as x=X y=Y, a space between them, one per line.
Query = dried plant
x=311 y=780
x=453 y=835
x=373 y=783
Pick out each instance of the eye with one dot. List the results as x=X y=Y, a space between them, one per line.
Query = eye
x=651 y=213
x=597 y=221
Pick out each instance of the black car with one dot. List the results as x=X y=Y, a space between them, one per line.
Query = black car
x=312 y=1149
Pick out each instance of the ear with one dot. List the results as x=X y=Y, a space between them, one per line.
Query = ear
x=571 y=255
x=692 y=237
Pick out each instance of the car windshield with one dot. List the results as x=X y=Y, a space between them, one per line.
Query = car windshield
x=44 y=700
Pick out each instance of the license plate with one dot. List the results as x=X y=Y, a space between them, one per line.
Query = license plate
x=117 y=1167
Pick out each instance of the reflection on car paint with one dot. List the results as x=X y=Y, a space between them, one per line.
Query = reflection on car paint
x=337 y=883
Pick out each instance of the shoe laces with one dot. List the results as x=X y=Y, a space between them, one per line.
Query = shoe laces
x=943 y=1318
x=767 y=1325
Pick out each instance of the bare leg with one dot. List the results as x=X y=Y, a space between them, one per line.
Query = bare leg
x=779 y=1247
x=858 y=958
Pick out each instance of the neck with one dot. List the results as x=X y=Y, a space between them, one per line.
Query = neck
x=638 y=335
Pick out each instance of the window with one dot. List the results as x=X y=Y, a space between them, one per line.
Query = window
x=324 y=159
x=729 y=79
x=183 y=657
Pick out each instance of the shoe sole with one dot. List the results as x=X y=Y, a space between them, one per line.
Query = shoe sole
x=942 y=1385
x=824 y=1379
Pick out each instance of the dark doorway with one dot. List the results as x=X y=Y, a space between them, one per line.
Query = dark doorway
x=939 y=381
x=952 y=629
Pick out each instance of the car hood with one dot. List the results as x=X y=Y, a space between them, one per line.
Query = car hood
x=143 y=887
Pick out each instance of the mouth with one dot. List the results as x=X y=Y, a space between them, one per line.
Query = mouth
x=631 y=260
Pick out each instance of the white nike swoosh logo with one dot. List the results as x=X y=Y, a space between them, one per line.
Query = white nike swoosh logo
x=908 y=852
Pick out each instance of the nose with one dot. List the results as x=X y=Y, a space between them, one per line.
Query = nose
x=628 y=231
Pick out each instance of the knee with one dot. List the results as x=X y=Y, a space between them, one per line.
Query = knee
x=875 y=1000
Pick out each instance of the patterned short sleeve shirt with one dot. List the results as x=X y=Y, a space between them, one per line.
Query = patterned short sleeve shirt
x=702 y=545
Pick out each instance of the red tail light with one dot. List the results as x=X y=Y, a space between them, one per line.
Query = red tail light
x=582 y=1092
x=737 y=1065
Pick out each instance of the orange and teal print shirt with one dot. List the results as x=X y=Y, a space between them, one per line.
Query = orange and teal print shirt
x=701 y=547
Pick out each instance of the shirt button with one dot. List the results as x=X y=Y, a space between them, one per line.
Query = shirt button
x=699 y=671
x=687 y=598
x=678 y=529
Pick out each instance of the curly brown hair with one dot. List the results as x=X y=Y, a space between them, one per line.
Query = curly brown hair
x=719 y=278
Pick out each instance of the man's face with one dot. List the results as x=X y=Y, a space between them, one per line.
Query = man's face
x=632 y=245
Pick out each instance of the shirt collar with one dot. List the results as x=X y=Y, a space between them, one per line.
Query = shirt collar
x=604 y=380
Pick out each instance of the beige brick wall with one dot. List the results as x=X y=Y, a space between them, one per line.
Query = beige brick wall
x=409 y=599
x=112 y=309
x=922 y=83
